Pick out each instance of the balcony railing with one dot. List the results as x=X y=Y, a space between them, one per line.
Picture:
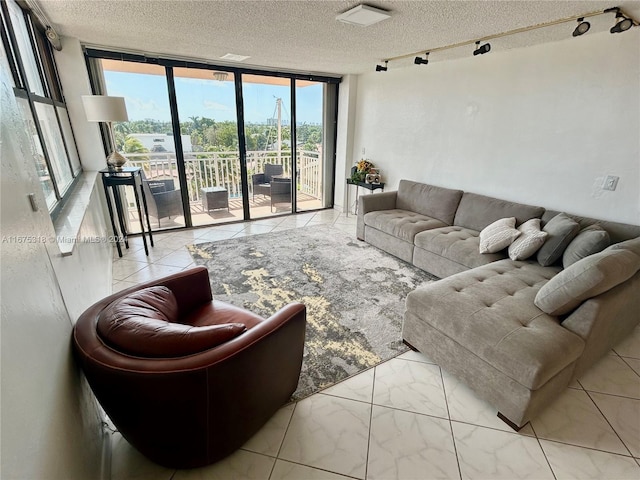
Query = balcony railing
x=222 y=169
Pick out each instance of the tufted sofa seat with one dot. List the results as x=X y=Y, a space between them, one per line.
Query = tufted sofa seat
x=484 y=326
x=454 y=249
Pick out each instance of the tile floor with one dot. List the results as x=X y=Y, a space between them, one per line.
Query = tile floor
x=407 y=418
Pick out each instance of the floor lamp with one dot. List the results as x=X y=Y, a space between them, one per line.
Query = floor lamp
x=102 y=108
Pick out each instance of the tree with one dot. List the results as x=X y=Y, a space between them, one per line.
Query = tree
x=133 y=145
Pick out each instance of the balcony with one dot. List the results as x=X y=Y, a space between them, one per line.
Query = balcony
x=222 y=169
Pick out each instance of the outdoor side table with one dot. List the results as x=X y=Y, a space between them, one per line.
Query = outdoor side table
x=214 y=198
x=112 y=178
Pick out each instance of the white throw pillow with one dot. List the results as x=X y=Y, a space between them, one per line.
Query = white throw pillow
x=529 y=242
x=499 y=235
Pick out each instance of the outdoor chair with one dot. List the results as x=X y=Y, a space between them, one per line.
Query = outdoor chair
x=186 y=379
x=280 y=191
x=163 y=200
x=262 y=181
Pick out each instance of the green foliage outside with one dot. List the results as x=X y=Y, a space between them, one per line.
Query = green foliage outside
x=208 y=135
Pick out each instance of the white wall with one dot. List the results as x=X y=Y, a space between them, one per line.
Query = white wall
x=51 y=426
x=347 y=95
x=541 y=125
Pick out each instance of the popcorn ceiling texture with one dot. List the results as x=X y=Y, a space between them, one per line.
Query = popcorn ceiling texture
x=304 y=35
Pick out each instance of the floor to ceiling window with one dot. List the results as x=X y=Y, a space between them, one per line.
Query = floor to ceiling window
x=147 y=140
x=207 y=113
x=314 y=169
x=226 y=138
x=267 y=129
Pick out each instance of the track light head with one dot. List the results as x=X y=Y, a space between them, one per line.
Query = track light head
x=380 y=68
x=582 y=28
x=481 y=50
x=422 y=61
x=622 y=25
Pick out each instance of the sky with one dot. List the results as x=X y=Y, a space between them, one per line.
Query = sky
x=146 y=97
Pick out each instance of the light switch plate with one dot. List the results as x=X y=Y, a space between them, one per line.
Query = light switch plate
x=610 y=182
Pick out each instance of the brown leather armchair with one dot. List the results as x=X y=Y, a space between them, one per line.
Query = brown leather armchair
x=192 y=405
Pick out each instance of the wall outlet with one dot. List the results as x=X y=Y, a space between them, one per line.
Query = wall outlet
x=610 y=182
x=363 y=151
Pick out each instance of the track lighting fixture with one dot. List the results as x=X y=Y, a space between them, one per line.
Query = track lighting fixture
x=380 y=68
x=422 y=61
x=481 y=50
x=623 y=22
x=582 y=28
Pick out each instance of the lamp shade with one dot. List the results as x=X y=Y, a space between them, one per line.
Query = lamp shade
x=102 y=108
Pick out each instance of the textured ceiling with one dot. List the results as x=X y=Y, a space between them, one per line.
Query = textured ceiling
x=304 y=35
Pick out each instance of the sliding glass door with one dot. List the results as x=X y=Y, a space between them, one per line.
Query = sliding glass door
x=267 y=131
x=147 y=140
x=310 y=162
x=221 y=144
x=209 y=129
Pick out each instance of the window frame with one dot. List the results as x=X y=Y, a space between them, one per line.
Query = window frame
x=52 y=95
x=93 y=55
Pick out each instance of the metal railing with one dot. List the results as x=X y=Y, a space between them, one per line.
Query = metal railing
x=222 y=169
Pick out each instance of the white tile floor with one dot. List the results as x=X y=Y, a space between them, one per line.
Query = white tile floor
x=406 y=418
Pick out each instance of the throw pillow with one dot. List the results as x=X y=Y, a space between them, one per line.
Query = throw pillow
x=142 y=324
x=498 y=235
x=561 y=229
x=586 y=278
x=529 y=242
x=590 y=240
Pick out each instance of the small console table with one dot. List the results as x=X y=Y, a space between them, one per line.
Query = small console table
x=369 y=186
x=112 y=178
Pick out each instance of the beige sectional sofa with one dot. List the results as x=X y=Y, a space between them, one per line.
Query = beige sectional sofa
x=516 y=332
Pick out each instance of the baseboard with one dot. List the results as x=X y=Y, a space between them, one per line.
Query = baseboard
x=105 y=461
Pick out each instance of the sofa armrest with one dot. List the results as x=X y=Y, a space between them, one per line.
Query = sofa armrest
x=605 y=320
x=372 y=203
x=378 y=201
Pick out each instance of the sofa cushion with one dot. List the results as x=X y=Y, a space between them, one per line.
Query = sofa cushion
x=633 y=245
x=618 y=232
x=458 y=244
x=498 y=235
x=590 y=240
x=402 y=224
x=489 y=311
x=529 y=242
x=477 y=211
x=429 y=200
x=142 y=324
x=561 y=229
x=587 y=278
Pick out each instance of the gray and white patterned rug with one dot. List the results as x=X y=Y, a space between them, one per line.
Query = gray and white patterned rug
x=354 y=294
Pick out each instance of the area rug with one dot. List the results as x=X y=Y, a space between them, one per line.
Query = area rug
x=354 y=293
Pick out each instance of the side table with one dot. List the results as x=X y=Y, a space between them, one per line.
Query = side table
x=214 y=197
x=369 y=186
x=112 y=178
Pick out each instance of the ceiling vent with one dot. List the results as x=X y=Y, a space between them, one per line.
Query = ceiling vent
x=233 y=57
x=363 y=16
